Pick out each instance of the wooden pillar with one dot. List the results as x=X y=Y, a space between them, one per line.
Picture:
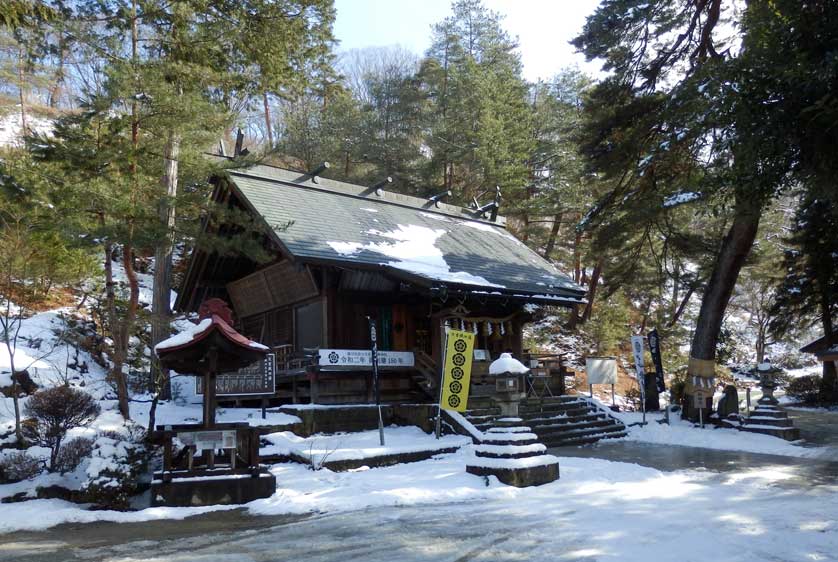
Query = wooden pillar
x=315 y=390
x=209 y=389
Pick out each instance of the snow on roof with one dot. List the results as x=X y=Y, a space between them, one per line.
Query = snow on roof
x=186 y=336
x=507 y=364
x=414 y=250
x=198 y=330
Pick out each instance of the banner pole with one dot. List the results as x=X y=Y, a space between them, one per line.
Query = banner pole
x=374 y=339
x=444 y=350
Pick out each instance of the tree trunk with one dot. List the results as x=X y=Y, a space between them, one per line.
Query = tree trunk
x=829 y=381
x=577 y=257
x=595 y=275
x=117 y=326
x=732 y=254
x=161 y=296
x=58 y=77
x=554 y=234
x=268 y=130
x=24 y=127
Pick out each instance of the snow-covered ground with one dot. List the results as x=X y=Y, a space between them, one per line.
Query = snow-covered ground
x=682 y=432
x=360 y=445
x=598 y=510
x=11 y=127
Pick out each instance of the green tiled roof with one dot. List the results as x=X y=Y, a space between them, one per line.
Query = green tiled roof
x=335 y=222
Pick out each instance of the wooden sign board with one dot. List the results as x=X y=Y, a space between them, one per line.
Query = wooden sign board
x=363 y=358
x=210 y=440
x=276 y=286
x=257 y=379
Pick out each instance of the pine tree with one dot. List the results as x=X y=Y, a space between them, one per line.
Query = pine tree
x=479 y=121
x=809 y=288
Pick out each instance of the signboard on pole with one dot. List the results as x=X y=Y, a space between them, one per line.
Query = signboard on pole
x=655 y=350
x=601 y=370
x=257 y=379
x=456 y=372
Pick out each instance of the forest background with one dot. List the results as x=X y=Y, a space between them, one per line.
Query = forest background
x=688 y=188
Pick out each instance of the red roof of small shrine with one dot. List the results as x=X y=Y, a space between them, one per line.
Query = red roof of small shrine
x=203 y=330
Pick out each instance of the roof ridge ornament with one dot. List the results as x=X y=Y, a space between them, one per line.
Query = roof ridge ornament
x=322 y=167
x=437 y=199
x=379 y=187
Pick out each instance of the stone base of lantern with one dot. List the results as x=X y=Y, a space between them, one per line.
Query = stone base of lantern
x=230 y=489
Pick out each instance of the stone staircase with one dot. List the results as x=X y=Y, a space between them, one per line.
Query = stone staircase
x=769 y=420
x=557 y=422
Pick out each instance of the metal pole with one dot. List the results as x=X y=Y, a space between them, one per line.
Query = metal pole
x=374 y=338
x=613 y=397
x=701 y=417
x=444 y=349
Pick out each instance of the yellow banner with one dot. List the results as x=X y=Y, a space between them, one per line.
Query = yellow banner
x=456 y=374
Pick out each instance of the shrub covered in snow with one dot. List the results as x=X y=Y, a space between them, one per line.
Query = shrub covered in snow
x=17 y=465
x=805 y=388
x=73 y=453
x=53 y=412
x=112 y=473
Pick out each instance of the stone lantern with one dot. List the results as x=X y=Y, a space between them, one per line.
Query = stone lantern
x=768 y=382
x=508 y=373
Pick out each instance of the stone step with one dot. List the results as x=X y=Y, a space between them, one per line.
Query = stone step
x=557 y=407
x=553 y=399
x=514 y=429
x=766 y=420
x=787 y=433
x=483 y=412
x=769 y=413
x=555 y=420
x=586 y=440
x=559 y=427
x=550 y=437
x=531 y=471
x=509 y=439
x=508 y=422
x=583 y=411
x=509 y=451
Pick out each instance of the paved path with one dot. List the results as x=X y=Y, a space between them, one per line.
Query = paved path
x=805 y=473
x=818 y=428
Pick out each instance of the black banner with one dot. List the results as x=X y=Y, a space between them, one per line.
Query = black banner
x=655 y=350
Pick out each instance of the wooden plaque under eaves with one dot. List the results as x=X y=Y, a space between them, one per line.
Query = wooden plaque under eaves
x=279 y=285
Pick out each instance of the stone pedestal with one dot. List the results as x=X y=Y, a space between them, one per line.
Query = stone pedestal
x=508 y=402
x=212 y=490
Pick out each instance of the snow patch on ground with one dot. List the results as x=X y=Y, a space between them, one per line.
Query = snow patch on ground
x=360 y=445
x=681 y=432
